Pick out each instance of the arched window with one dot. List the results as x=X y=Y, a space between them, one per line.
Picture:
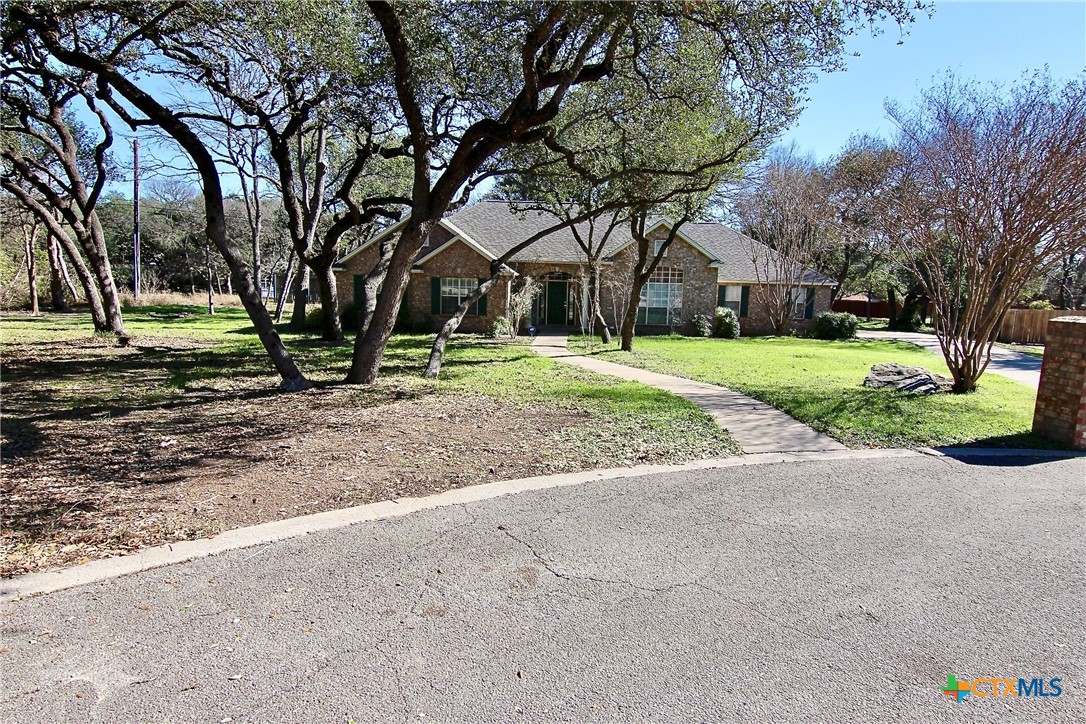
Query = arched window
x=662 y=298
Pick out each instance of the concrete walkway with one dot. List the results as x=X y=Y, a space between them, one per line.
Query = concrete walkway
x=756 y=426
x=1015 y=365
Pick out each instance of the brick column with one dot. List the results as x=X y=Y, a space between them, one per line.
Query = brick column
x=1061 y=397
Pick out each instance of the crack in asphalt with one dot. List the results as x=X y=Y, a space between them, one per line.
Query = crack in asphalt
x=397 y=677
x=562 y=574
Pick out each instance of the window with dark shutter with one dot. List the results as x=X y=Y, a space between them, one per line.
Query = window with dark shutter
x=452 y=292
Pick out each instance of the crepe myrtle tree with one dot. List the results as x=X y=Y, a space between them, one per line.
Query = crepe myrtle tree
x=785 y=211
x=469 y=85
x=991 y=192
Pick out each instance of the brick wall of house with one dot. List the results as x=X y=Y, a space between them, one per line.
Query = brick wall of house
x=699 y=279
x=700 y=284
x=1060 y=413
x=458 y=260
x=757 y=319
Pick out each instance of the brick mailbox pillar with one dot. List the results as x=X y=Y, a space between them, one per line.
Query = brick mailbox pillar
x=1060 y=414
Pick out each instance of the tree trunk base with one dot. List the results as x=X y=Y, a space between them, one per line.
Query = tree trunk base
x=295 y=384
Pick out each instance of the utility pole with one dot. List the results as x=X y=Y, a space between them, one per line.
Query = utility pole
x=136 y=219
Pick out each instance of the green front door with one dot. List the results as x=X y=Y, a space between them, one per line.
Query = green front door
x=557 y=299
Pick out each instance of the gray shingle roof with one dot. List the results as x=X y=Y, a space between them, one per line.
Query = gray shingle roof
x=735 y=252
x=497 y=226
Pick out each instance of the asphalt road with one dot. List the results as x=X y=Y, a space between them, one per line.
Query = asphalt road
x=830 y=591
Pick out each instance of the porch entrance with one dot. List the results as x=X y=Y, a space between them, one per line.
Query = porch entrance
x=557 y=303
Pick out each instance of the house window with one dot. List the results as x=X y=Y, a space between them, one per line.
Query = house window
x=733 y=298
x=797 y=302
x=657 y=246
x=662 y=298
x=453 y=292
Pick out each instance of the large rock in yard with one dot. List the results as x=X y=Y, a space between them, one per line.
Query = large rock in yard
x=914 y=380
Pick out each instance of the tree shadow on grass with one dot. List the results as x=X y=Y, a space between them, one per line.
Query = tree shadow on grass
x=77 y=384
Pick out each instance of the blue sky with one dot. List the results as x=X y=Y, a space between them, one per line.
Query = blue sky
x=987 y=41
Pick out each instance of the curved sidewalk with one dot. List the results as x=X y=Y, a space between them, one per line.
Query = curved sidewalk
x=1008 y=363
x=755 y=426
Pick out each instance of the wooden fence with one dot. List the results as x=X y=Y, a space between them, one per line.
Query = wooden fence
x=1028 y=326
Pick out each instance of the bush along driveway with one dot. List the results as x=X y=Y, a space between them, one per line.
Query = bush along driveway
x=821 y=384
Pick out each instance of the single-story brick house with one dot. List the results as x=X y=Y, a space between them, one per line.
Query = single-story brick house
x=706 y=266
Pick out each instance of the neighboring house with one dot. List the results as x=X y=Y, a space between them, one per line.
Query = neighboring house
x=706 y=266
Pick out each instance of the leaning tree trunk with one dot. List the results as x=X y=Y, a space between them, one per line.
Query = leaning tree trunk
x=56 y=275
x=369 y=347
x=331 y=327
x=94 y=244
x=87 y=281
x=437 y=351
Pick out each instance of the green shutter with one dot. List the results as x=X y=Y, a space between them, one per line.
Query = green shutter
x=721 y=293
x=744 y=302
x=808 y=311
x=482 y=300
x=435 y=295
x=359 y=280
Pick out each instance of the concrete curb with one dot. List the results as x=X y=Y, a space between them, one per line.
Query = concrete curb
x=34 y=584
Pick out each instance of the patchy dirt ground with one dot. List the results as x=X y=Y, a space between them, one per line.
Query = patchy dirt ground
x=109 y=449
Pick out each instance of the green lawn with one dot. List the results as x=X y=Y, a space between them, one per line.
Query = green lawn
x=820 y=383
x=162 y=321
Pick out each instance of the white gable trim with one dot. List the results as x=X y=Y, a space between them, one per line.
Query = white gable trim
x=467 y=240
x=458 y=235
x=365 y=245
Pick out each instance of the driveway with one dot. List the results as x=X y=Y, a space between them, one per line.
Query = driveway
x=1019 y=367
x=830 y=590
